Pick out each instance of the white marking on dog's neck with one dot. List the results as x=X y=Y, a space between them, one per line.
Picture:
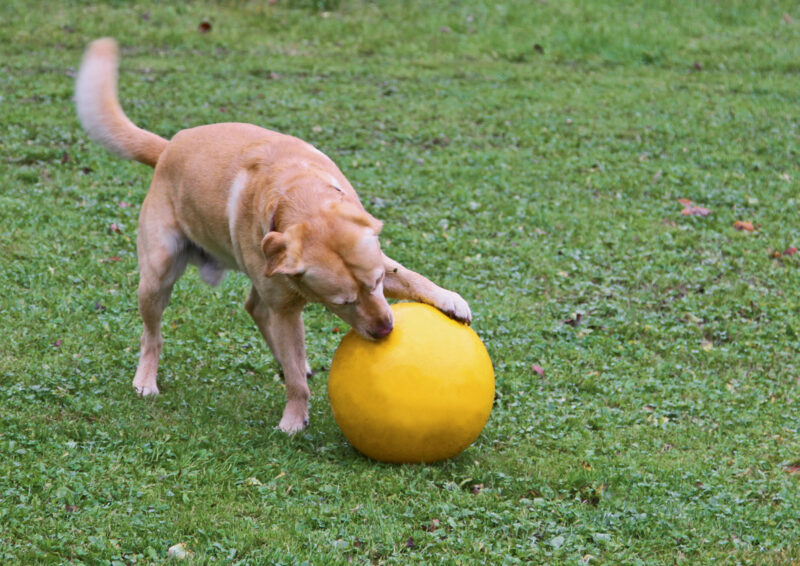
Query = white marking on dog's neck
x=234 y=196
x=336 y=184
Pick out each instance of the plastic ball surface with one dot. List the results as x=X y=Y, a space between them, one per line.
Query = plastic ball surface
x=422 y=394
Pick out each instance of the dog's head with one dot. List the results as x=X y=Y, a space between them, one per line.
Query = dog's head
x=336 y=259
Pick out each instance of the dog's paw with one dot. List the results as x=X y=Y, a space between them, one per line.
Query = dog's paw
x=453 y=305
x=292 y=423
x=145 y=390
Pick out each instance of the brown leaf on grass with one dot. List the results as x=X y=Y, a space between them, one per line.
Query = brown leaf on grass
x=790 y=251
x=575 y=319
x=115 y=228
x=793 y=468
x=204 y=27
x=538 y=370
x=57 y=343
x=410 y=542
x=697 y=66
x=743 y=226
x=787 y=18
x=685 y=202
x=432 y=526
x=695 y=211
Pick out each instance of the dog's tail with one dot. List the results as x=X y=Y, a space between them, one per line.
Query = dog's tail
x=99 y=110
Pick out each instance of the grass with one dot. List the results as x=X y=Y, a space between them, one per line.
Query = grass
x=529 y=155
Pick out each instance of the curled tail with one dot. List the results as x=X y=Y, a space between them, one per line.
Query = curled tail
x=99 y=110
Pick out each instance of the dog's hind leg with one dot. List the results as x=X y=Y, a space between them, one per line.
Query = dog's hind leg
x=281 y=324
x=162 y=259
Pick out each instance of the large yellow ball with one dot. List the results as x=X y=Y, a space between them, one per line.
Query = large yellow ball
x=422 y=394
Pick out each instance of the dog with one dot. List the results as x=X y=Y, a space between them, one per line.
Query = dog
x=238 y=196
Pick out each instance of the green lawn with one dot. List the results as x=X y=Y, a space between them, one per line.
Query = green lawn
x=530 y=155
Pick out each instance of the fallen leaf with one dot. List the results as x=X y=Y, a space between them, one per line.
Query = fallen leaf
x=432 y=526
x=575 y=319
x=178 y=551
x=358 y=543
x=114 y=228
x=790 y=251
x=745 y=226
x=57 y=343
x=697 y=66
x=204 y=27
x=787 y=18
x=410 y=542
x=538 y=48
x=538 y=369
x=71 y=508
x=65 y=158
x=445 y=29
x=685 y=202
x=793 y=469
x=123 y=204
x=695 y=211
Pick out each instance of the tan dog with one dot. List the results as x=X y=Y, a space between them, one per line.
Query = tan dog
x=236 y=196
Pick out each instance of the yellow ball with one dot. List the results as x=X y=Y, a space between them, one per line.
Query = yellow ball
x=422 y=394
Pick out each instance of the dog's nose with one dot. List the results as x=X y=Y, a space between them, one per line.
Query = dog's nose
x=381 y=331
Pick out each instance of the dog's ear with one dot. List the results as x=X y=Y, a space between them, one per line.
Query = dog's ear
x=283 y=251
x=357 y=215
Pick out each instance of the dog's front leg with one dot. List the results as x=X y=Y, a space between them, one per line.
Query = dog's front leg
x=282 y=328
x=402 y=283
